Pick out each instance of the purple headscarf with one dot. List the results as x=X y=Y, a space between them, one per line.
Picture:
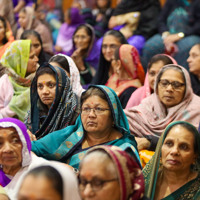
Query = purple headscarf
x=26 y=144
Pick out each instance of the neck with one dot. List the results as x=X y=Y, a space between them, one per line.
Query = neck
x=11 y=170
x=123 y=75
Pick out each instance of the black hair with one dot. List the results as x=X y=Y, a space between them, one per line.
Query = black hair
x=160 y=57
x=62 y=61
x=51 y=174
x=5 y=40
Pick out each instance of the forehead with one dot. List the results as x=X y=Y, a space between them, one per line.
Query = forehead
x=95 y=100
x=33 y=39
x=7 y=131
x=173 y=75
x=181 y=134
x=110 y=39
x=157 y=65
x=81 y=31
x=46 y=77
x=195 y=50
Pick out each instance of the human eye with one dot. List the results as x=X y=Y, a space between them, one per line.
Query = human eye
x=169 y=143
x=152 y=73
x=104 y=46
x=113 y=46
x=97 y=182
x=184 y=147
x=40 y=86
x=176 y=84
x=15 y=140
x=164 y=82
x=51 y=85
x=86 y=109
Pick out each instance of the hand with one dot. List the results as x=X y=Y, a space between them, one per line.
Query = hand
x=58 y=48
x=172 y=38
x=127 y=33
x=78 y=59
x=31 y=135
x=112 y=22
x=142 y=143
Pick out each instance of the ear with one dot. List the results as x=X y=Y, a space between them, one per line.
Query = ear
x=118 y=65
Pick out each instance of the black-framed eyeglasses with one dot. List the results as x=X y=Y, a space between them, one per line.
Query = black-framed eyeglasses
x=96 y=184
x=175 y=84
x=97 y=110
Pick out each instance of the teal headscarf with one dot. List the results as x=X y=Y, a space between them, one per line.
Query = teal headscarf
x=61 y=144
x=151 y=169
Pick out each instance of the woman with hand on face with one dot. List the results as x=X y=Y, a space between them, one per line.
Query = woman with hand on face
x=20 y=63
x=128 y=73
x=102 y=121
x=172 y=100
x=154 y=66
x=54 y=105
x=194 y=68
x=83 y=52
x=111 y=41
x=174 y=171
x=109 y=173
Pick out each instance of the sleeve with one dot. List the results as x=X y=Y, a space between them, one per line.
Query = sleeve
x=153 y=140
x=6 y=95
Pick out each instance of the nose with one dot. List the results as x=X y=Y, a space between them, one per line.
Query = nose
x=174 y=150
x=189 y=59
x=7 y=147
x=169 y=87
x=45 y=90
x=36 y=58
x=88 y=192
x=92 y=113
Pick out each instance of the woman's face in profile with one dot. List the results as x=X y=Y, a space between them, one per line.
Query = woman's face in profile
x=178 y=150
x=32 y=63
x=171 y=88
x=109 y=45
x=2 y=31
x=37 y=187
x=81 y=39
x=22 y=20
x=35 y=44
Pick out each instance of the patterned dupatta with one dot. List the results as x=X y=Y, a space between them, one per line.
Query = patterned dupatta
x=63 y=111
x=61 y=144
x=26 y=145
x=152 y=169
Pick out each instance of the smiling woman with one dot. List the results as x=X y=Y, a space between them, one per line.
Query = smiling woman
x=102 y=121
x=173 y=172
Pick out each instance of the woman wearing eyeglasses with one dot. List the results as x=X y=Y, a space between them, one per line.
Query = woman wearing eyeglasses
x=108 y=173
x=102 y=121
x=172 y=100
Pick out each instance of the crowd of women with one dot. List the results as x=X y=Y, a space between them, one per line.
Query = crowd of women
x=99 y=101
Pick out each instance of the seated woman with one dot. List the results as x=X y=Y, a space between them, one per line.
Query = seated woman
x=28 y=21
x=173 y=172
x=128 y=73
x=54 y=105
x=15 y=156
x=102 y=121
x=36 y=45
x=54 y=181
x=137 y=20
x=172 y=100
x=179 y=30
x=112 y=174
x=73 y=19
x=70 y=67
x=194 y=68
x=6 y=37
x=83 y=52
x=154 y=66
x=111 y=40
x=20 y=63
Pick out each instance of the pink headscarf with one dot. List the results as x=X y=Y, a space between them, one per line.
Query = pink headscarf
x=144 y=91
x=151 y=117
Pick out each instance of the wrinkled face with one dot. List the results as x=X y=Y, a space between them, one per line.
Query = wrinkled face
x=82 y=39
x=169 y=95
x=95 y=170
x=32 y=63
x=10 y=149
x=46 y=88
x=22 y=19
x=35 y=45
x=194 y=60
x=2 y=31
x=93 y=122
x=36 y=188
x=109 y=45
x=178 y=150
x=153 y=71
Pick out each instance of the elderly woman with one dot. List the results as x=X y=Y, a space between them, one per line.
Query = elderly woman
x=53 y=103
x=128 y=73
x=112 y=174
x=84 y=53
x=54 y=181
x=70 y=67
x=174 y=171
x=102 y=121
x=20 y=63
x=194 y=68
x=172 y=100
x=15 y=156
x=154 y=66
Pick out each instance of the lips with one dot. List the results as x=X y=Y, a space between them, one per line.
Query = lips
x=173 y=162
x=91 y=123
x=46 y=99
x=168 y=98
